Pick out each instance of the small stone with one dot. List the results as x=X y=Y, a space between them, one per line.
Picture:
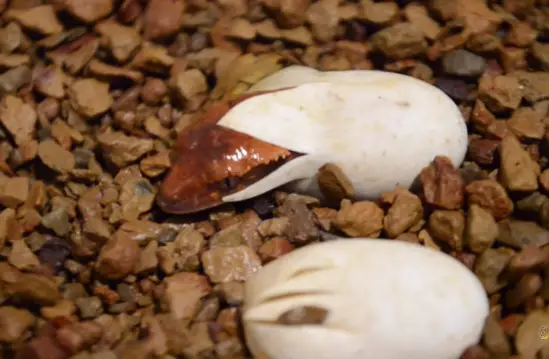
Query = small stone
x=89 y=307
x=13 y=79
x=54 y=252
x=155 y=165
x=302 y=228
x=334 y=184
x=231 y=292
x=226 y=264
x=56 y=157
x=183 y=293
x=400 y=41
x=90 y=97
x=274 y=248
x=442 y=184
x=324 y=18
x=534 y=85
x=122 y=150
x=58 y=221
x=14 y=191
x=154 y=127
x=500 y=93
x=136 y=197
x=528 y=340
x=527 y=286
x=37 y=18
x=288 y=13
x=22 y=258
x=379 y=12
x=495 y=339
x=359 y=219
x=483 y=151
x=518 y=170
x=406 y=210
x=463 y=63
x=89 y=11
x=489 y=266
x=153 y=91
x=481 y=229
x=526 y=123
x=189 y=83
x=491 y=196
x=456 y=88
x=11 y=38
x=118 y=257
x=14 y=323
x=418 y=15
x=122 y=40
x=274 y=227
x=448 y=227
x=19 y=118
x=50 y=81
x=162 y=18
x=522 y=234
x=522 y=34
x=240 y=28
x=541 y=53
x=152 y=58
x=34 y=288
x=148 y=260
x=64 y=308
x=109 y=73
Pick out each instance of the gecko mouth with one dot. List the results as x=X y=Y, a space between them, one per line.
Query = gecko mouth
x=210 y=162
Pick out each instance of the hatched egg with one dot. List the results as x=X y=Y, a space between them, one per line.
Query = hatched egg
x=380 y=128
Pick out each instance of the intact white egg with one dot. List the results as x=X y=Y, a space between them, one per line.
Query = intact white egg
x=383 y=299
x=380 y=128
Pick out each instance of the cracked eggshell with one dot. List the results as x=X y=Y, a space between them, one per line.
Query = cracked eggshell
x=380 y=128
x=385 y=299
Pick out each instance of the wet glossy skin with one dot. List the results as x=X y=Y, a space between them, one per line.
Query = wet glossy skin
x=210 y=162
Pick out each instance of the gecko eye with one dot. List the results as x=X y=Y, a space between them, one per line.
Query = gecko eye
x=228 y=183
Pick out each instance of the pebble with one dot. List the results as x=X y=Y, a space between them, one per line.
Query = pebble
x=118 y=257
x=226 y=264
x=13 y=191
x=34 y=288
x=463 y=63
x=431 y=324
x=13 y=323
x=58 y=221
x=527 y=340
x=89 y=307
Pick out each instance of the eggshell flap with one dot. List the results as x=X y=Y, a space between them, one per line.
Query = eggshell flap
x=381 y=128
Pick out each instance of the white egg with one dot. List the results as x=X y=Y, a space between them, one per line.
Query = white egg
x=380 y=128
x=385 y=299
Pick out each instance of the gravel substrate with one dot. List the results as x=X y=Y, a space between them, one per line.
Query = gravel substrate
x=94 y=92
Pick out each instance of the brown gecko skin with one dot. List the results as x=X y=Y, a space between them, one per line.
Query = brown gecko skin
x=211 y=161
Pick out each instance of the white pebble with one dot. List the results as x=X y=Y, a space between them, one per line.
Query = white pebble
x=380 y=128
x=386 y=299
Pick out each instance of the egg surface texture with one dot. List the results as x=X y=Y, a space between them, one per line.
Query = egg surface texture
x=383 y=299
x=380 y=128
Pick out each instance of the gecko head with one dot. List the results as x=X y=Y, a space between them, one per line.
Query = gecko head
x=210 y=162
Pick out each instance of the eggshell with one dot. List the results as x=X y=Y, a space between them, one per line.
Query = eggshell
x=386 y=299
x=381 y=128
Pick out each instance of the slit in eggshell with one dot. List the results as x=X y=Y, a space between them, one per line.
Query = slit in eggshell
x=210 y=162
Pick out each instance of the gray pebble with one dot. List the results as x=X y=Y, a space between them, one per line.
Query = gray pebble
x=463 y=63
